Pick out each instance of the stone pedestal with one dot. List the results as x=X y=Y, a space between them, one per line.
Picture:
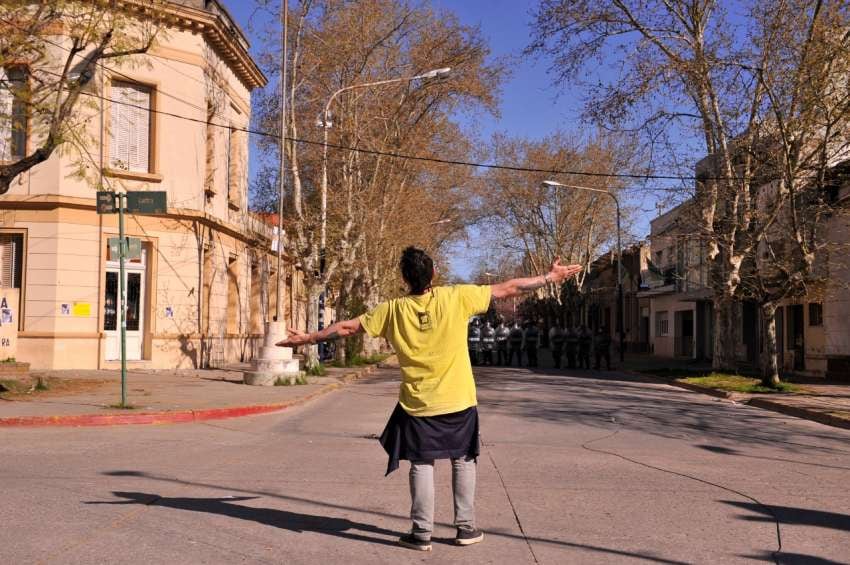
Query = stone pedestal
x=273 y=362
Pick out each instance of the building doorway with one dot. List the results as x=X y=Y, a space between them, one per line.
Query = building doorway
x=134 y=281
x=796 y=341
x=685 y=333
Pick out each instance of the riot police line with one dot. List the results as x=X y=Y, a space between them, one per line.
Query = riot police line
x=518 y=345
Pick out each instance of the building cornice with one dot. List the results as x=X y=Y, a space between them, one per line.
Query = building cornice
x=226 y=39
x=53 y=201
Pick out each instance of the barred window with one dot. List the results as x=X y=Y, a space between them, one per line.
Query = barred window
x=662 y=324
x=815 y=314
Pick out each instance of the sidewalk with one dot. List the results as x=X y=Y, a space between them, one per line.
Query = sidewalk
x=89 y=398
x=818 y=400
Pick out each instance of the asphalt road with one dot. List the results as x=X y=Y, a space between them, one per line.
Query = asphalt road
x=574 y=469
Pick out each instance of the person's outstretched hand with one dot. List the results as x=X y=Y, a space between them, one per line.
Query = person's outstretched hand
x=294 y=339
x=559 y=273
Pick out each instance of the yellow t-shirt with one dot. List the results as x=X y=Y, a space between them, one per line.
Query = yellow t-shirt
x=428 y=333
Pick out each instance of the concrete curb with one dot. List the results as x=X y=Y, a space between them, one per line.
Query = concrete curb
x=822 y=418
x=177 y=416
x=709 y=391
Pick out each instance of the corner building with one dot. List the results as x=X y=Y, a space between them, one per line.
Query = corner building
x=204 y=284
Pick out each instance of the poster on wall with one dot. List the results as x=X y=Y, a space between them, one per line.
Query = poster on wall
x=82 y=309
x=8 y=323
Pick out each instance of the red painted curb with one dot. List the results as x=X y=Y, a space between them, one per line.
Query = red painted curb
x=172 y=417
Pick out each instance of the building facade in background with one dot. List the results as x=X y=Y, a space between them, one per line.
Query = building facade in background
x=813 y=331
x=601 y=297
x=205 y=282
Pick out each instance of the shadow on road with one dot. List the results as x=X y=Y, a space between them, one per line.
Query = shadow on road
x=293 y=521
x=796 y=516
x=598 y=398
x=730 y=451
x=307 y=522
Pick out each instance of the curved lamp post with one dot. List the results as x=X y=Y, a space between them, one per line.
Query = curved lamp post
x=621 y=306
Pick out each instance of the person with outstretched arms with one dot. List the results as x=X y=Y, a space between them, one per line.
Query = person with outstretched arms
x=436 y=416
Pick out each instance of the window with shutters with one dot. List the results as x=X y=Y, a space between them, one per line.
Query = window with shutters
x=130 y=127
x=11 y=248
x=14 y=124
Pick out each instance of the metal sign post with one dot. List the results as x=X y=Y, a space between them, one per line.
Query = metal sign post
x=135 y=202
x=122 y=290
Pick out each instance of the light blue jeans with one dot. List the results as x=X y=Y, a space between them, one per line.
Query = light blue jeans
x=464 y=471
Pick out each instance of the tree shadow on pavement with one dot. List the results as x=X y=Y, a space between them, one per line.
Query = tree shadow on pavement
x=737 y=453
x=598 y=399
x=284 y=519
x=794 y=516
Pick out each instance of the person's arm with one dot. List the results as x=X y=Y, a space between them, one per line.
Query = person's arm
x=556 y=275
x=345 y=328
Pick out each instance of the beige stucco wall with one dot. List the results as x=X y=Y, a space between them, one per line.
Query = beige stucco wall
x=66 y=264
x=66 y=239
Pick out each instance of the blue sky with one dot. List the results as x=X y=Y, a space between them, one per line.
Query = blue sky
x=530 y=105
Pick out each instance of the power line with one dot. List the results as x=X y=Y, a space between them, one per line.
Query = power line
x=377 y=152
x=368 y=151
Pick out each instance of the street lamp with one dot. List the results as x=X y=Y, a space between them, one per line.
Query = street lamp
x=325 y=123
x=621 y=306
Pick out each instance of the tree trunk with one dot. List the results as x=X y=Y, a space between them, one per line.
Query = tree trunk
x=770 y=353
x=726 y=330
x=372 y=345
x=312 y=289
x=341 y=314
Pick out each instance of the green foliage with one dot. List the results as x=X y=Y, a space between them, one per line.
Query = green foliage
x=737 y=383
x=9 y=360
x=120 y=406
x=41 y=384
x=358 y=360
x=11 y=385
x=317 y=370
x=301 y=379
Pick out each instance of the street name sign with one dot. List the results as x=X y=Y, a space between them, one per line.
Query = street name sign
x=107 y=202
x=147 y=202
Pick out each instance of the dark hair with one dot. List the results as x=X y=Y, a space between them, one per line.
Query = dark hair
x=417 y=268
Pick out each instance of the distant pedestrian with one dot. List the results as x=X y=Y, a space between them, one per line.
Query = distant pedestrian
x=571 y=346
x=488 y=344
x=602 y=348
x=531 y=341
x=585 y=340
x=502 y=335
x=515 y=342
x=556 y=343
x=436 y=416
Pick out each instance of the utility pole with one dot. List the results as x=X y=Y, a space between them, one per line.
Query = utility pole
x=275 y=364
x=284 y=9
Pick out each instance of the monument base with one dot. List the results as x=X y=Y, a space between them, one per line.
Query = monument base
x=273 y=363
